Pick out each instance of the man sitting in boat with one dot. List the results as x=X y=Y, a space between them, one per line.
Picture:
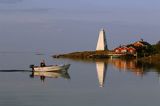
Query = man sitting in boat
x=42 y=64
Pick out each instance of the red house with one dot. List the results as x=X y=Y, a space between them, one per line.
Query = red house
x=125 y=49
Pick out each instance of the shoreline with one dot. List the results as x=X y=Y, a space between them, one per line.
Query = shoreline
x=94 y=55
x=104 y=54
x=83 y=54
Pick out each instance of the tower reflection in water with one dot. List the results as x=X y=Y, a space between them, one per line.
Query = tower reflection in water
x=101 y=72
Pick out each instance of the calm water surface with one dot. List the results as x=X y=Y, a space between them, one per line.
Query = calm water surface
x=110 y=82
x=62 y=26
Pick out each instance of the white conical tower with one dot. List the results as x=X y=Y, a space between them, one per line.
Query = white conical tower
x=101 y=73
x=102 y=44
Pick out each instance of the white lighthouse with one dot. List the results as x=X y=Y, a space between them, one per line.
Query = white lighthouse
x=102 y=44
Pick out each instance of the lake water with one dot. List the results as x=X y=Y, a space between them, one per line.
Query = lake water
x=87 y=83
x=30 y=27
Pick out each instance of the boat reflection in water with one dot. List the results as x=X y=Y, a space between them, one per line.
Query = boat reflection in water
x=43 y=75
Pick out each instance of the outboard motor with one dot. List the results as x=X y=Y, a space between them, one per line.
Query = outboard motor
x=32 y=67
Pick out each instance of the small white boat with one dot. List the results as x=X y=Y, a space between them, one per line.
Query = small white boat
x=50 y=68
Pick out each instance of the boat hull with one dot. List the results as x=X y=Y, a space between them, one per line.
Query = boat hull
x=52 y=68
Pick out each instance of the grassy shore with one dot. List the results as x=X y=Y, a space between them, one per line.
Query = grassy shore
x=84 y=55
x=154 y=58
x=88 y=55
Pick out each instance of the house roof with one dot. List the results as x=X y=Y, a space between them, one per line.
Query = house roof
x=134 y=45
x=142 y=42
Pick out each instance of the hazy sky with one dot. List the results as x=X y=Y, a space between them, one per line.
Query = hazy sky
x=68 y=25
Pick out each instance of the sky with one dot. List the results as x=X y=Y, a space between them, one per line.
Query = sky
x=73 y=25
